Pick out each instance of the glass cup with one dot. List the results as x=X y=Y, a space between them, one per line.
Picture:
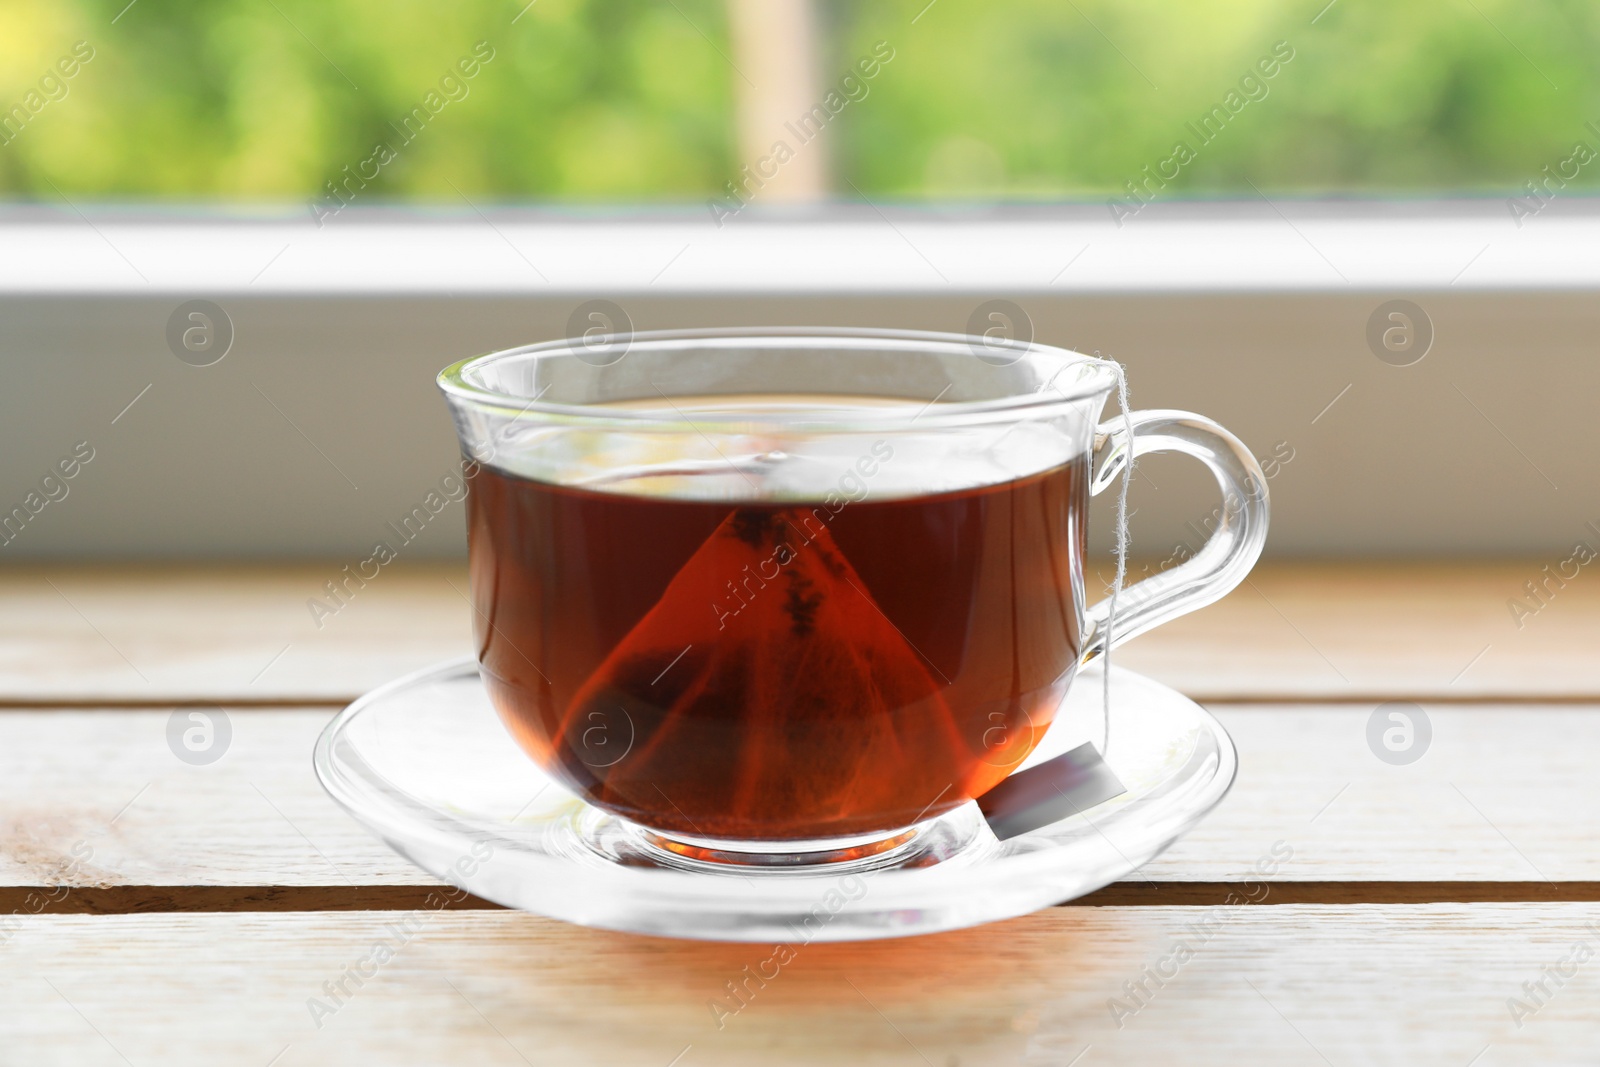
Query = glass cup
x=788 y=596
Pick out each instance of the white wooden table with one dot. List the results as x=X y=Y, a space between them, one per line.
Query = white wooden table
x=1440 y=912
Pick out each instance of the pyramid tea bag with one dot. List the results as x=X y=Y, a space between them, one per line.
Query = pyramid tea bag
x=766 y=689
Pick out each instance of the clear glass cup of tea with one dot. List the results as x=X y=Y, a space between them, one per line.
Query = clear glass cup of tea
x=785 y=596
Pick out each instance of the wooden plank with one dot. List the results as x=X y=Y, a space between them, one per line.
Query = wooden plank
x=1504 y=799
x=1284 y=986
x=213 y=634
x=1375 y=632
x=209 y=634
x=106 y=781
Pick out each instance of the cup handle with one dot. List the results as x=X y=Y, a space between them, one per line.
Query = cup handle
x=1228 y=554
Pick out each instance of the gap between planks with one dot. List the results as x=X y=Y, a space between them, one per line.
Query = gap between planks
x=137 y=899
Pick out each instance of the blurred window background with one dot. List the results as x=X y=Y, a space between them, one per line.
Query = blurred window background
x=658 y=101
x=500 y=168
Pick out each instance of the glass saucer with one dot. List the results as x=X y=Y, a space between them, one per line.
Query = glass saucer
x=425 y=764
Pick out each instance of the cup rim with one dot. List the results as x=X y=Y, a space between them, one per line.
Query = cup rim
x=455 y=383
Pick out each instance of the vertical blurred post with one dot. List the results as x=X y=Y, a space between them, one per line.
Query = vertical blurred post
x=775 y=46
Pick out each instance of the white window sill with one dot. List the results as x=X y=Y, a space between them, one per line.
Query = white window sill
x=1289 y=247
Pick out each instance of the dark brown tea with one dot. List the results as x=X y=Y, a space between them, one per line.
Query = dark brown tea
x=778 y=671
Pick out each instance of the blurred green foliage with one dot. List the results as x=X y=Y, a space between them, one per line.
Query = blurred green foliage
x=268 y=99
x=1071 y=99
x=633 y=100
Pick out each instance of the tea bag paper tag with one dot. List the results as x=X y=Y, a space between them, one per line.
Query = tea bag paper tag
x=1069 y=784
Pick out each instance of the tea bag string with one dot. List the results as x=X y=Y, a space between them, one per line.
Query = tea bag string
x=1122 y=557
